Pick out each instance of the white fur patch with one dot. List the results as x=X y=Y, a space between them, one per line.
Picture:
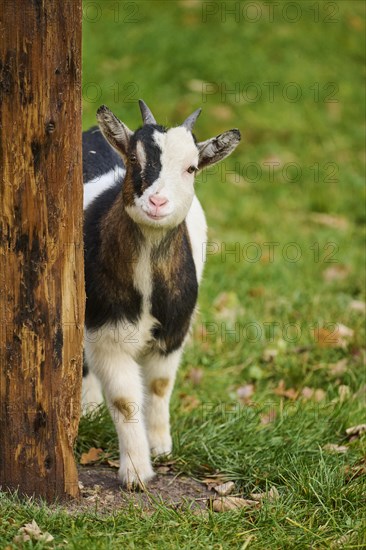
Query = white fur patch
x=141 y=155
x=197 y=230
x=93 y=188
x=175 y=183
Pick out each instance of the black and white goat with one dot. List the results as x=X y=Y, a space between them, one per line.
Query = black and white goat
x=145 y=234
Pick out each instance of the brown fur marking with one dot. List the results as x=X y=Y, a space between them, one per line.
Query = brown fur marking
x=120 y=247
x=125 y=407
x=159 y=386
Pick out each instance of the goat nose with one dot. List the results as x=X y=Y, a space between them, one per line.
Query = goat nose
x=158 y=200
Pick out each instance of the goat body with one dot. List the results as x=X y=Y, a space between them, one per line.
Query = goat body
x=144 y=237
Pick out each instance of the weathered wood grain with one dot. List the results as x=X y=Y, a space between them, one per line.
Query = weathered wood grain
x=41 y=256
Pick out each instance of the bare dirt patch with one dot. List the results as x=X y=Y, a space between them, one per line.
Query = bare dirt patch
x=101 y=491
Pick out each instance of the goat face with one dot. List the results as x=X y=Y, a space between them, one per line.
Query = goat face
x=161 y=165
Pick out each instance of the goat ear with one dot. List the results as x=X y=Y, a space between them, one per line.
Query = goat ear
x=115 y=131
x=217 y=148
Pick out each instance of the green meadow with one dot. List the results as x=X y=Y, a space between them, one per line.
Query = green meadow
x=274 y=373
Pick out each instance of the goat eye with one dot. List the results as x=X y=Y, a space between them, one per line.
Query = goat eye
x=133 y=158
x=191 y=169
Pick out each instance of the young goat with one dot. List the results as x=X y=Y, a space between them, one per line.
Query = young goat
x=145 y=234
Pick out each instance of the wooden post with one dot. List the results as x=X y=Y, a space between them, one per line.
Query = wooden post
x=41 y=252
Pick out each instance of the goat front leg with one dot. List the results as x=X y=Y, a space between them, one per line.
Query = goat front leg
x=123 y=388
x=159 y=373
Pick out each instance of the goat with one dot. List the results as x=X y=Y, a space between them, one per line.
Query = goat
x=144 y=238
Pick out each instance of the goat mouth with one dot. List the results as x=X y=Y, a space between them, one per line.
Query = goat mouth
x=156 y=217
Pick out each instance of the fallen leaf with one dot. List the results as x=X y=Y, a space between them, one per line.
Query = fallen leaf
x=226 y=504
x=189 y=402
x=356 y=430
x=357 y=305
x=195 y=375
x=271 y=495
x=290 y=393
x=245 y=392
x=356 y=470
x=213 y=481
x=269 y=354
x=314 y=394
x=228 y=306
x=91 y=456
x=163 y=470
x=31 y=531
x=342 y=541
x=335 y=273
x=225 y=488
x=113 y=463
x=333 y=448
x=338 y=368
x=196 y=85
x=344 y=392
x=337 y=338
x=319 y=395
x=329 y=220
x=267 y=418
x=162 y=462
x=307 y=393
x=257 y=291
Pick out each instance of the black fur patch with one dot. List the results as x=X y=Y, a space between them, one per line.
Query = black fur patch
x=85 y=367
x=98 y=156
x=143 y=180
x=110 y=294
x=175 y=289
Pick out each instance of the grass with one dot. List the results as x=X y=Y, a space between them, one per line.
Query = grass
x=270 y=304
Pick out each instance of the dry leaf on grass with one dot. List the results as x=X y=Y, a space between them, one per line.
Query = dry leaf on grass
x=344 y=392
x=214 y=480
x=268 y=417
x=336 y=338
x=163 y=470
x=93 y=455
x=31 y=531
x=342 y=541
x=335 y=273
x=113 y=463
x=228 y=306
x=338 y=368
x=222 y=112
x=356 y=430
x=269 y=354
x=290 y=393
x=357 y=305
x=333 y=448
x=196 y=85
x=188 y=402
x=356 y=470
x=271 y=495
x=245 y=392
x=329 y=220
x=257 y=291
x=225 y=488
x=226 y=504
x=195 y=375
x=313 y=394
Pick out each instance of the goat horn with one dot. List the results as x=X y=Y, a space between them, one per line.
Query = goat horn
x=147 y=115
x=190 y=121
